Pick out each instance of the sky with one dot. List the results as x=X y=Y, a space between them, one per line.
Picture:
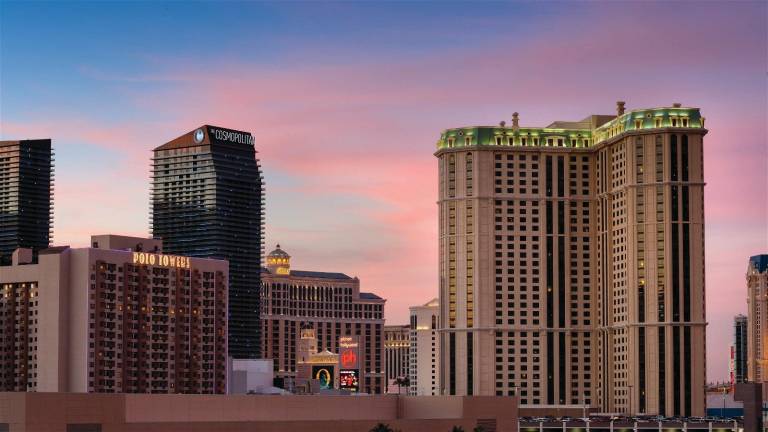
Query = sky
x=346 y=101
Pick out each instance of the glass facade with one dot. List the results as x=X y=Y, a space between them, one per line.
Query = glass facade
x=26 y=205
x=207 y=202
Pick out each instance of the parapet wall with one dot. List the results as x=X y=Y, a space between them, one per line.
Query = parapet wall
x=79 y=412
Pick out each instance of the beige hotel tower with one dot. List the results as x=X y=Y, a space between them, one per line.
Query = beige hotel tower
x=572 y=261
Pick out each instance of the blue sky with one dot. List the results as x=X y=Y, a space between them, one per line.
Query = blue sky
x=346 y=101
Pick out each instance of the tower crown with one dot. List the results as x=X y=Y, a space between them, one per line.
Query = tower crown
x=279 y=262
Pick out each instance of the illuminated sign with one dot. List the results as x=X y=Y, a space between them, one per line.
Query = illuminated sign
x=349 y=380
x=324 y=374
x=145 y=258
x=231 y=136
x=349 y=356
x=199 y=136
x=348 y=359
x=348 y=342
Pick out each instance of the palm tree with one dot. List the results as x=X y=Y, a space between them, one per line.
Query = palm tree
x=404 y=381
x=381 y=427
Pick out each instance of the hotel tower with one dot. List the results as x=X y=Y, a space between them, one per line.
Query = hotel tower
x=207 y=202
x=26 y=195
x=757 y=320
x=572 y=261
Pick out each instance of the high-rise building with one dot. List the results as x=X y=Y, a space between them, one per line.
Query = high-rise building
x=573 y=254
x=207 y=202
x=117 y=317
x=396 y=348
x=343 y=318
x=757 y=317
x=26 y=196
x=740 y=350
x=424 y=369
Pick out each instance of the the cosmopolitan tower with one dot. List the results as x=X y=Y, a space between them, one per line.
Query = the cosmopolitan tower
x=26 y=192
x=572 y=261
x=207 y=201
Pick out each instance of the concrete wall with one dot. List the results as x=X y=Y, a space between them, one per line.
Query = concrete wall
x=170 y=413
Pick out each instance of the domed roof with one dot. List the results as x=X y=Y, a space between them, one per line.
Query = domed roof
x=278 y=253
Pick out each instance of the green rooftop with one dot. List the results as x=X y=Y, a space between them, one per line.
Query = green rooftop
x=588 y=132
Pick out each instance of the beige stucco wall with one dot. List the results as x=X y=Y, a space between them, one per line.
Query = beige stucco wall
x=125 y=412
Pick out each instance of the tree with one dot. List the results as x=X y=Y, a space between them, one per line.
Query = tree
x=402 y=381
x=381 y=427
x=478 y=429
x=457 y=429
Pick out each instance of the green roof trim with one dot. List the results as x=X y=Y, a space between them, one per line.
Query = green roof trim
x=641 y=119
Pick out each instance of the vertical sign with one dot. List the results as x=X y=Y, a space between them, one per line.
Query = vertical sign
x=349 y=363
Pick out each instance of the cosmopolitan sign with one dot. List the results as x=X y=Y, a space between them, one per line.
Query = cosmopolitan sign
x=232 y=136
x=144 y=258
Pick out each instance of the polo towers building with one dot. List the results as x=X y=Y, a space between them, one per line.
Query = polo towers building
x=117 y=317
x=572 y=261
x=207 y=202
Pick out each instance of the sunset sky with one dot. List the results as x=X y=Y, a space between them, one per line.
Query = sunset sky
x=347 y=100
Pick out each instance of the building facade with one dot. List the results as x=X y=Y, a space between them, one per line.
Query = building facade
x=207 y=202
x=424 y=368
x=329 y=303
x=118 y=317
x=73 y=412
x=757 y=318
x=740 y=350
x=26 y=196
x=397 y=341
x=575 y=254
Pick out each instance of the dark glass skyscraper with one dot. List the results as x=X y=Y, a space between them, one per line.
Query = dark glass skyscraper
x=207 y=201
x=26 y=204
x=740 y=349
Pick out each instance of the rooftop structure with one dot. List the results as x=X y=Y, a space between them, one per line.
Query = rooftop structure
x=591 y=131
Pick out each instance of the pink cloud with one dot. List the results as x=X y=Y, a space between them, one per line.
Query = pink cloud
x=364 y=129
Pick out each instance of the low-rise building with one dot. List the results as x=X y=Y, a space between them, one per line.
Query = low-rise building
x=246 y=413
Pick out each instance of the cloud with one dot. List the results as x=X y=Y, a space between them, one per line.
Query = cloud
x=354 y=131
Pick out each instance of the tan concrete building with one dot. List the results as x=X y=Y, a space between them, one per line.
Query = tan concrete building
x=329 y=303
x=424 y=369
x=117 y=317
x=757 y=319
x=572 y=261
x=397 y=341
x=67 y=412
